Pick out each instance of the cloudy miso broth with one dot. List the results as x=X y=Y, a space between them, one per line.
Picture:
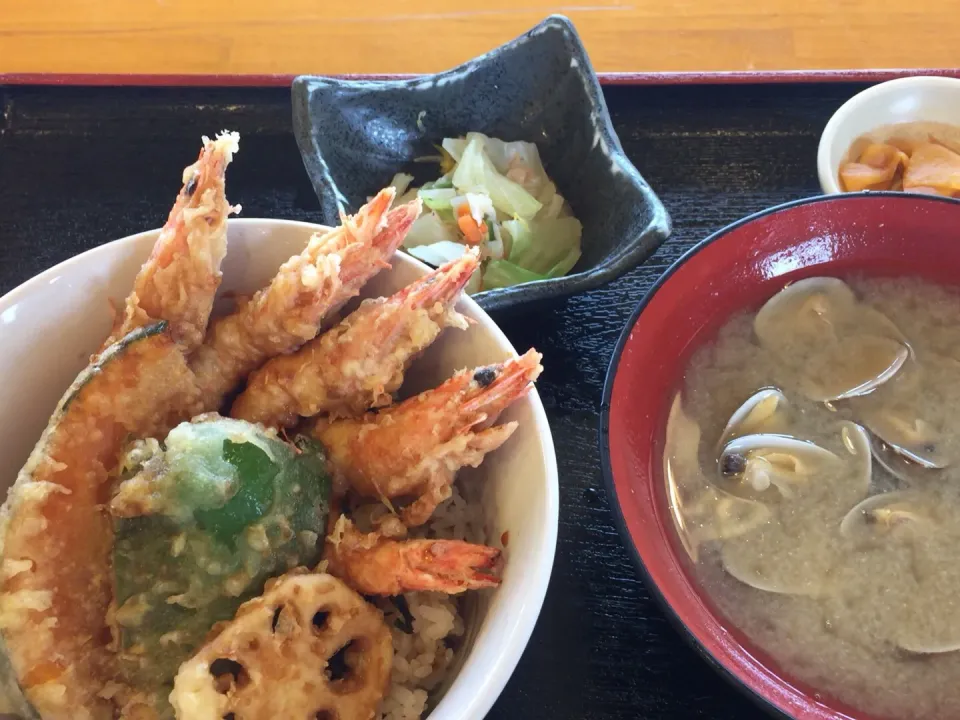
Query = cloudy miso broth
x=812 y=462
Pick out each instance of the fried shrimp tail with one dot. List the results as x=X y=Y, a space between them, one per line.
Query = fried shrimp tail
x=358 y=364
x=360 y=262
x=288 y=312
x=178 y=282
x=56 y=540
x=374 y=565
x=413 y=450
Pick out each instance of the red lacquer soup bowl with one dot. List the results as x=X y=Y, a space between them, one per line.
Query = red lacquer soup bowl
x=738 y=268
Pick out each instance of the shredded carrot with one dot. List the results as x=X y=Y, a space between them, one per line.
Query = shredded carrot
x=472 y=233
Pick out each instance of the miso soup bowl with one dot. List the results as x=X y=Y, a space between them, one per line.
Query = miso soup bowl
x=53 y=322
x=736 y=269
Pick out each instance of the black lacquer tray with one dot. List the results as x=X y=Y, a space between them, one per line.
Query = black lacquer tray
x=81 y=166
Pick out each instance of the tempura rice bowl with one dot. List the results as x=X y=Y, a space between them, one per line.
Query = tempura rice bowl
x=54 y=321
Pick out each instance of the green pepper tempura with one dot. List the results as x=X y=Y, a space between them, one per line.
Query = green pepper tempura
x=202 y=522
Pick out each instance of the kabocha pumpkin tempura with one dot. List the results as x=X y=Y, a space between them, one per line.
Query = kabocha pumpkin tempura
x=147 y=534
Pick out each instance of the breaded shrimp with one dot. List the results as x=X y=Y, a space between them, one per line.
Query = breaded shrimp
x=372 y=564
x=361 y=362
x=288 y=312
x=414 y=449
x=56 y=539
x=56 y=536
x=179 y=280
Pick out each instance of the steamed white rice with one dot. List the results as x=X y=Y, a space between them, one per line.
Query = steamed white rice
x=422 y=658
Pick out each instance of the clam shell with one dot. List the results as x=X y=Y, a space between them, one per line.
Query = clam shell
x=701 y=512
x=679 y=461
x=804 y=449
x=733 y=517
x=912 y=438
x=765 y=459
x=741 y=568
x=853 y=366
x=883 y=513
x=904 y=471
x=920 y=648
x=872 y=320
x=895 y=417
x=758 y=413
x=804 y=311
x=856 y=348
x=814 y=309
x=856 y=441
x=926 y=629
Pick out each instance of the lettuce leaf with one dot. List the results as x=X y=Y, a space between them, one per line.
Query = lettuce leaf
x=566 y=263
x=437 y=198
x=502 y=273
x=401 y=183
x=438 y=253
x=428 y=229
x=454 y=147
x=545 y=246
x=476 y=174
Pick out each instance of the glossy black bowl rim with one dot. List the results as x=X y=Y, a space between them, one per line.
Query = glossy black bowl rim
x=641 y=243
x=763 y=703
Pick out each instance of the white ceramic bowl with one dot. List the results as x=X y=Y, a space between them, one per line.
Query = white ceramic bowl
x=910 y=99
x=52 y=323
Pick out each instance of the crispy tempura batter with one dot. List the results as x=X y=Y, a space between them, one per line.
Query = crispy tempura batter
x=162 y=365
x=361 y=362
x=57 y=537
x=288 y=312
x=179 y=281
x=415 y=448
x=376 y=565
x=278 y=650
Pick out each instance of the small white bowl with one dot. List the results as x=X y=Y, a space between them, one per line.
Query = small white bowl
x=910 y=99
x=54 y=321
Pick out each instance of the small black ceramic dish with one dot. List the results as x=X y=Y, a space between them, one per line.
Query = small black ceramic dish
x=354 y=135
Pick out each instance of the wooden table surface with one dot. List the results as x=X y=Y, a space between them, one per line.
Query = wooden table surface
x=411 y=36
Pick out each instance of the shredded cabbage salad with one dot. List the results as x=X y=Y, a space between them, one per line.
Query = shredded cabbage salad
x=494 y=195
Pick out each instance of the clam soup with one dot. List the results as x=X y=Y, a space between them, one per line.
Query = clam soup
x=812 y=463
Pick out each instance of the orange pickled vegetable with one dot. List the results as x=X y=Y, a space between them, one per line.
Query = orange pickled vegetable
x=472 y=232
x=921 y=190
x=875 y=169
x=933 y=168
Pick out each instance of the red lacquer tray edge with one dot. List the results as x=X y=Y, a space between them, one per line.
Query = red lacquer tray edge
x=632 y=78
